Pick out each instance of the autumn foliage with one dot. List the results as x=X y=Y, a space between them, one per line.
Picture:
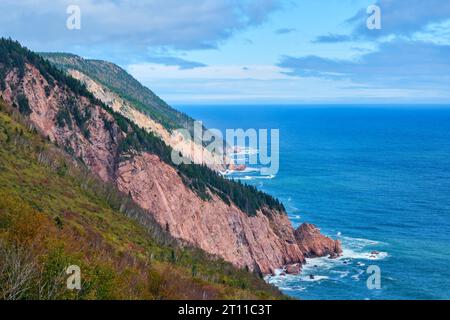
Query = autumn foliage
x=54 y=213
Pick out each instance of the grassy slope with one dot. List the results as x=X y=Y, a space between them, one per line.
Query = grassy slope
x=53 y=214
x=119 y=81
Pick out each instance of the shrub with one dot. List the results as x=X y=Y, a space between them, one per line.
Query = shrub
x=24 y=107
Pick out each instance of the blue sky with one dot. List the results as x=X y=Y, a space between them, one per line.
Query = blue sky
x=254 y=51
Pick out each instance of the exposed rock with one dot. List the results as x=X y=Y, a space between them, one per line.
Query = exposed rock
x=293 y=268
x=313 y=244
x=265 y=242
x=98 y=150
x=194 y=151
x=237 y=167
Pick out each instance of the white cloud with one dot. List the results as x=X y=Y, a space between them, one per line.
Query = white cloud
x=132 y=25
x=151 y=72
x=195 y=86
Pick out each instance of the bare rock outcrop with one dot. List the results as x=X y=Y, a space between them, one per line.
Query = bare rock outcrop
x=262 y=243
x=188 y=148
x=94 y=144
x=293 y=268
x=313 y=244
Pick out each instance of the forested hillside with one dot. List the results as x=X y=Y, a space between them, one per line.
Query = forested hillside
x=123 y=84
x=192 y=203
x=55 y=213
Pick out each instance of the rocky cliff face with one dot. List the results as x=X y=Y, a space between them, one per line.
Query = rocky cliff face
x=263 y=242
x=90 y=132
x=313 y=244
x=196 y=152
x=92 y=142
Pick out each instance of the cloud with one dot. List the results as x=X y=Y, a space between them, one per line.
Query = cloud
x=285 y=30
x=130 y=25
x=290 y=90
x=332 y=38
x=265 y=84
x=401 y=17
x=398 y=17
x=157 y=71
x=400 y=64
x=174 y=61
x=412 y=50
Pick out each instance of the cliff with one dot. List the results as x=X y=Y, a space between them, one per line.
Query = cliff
x=313 y=244
x=196 y=152
x=232 y=221
x=55 y=213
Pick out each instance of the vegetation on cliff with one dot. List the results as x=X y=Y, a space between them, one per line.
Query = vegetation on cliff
x=200 y=179
x=55 y=213
x=123 y=84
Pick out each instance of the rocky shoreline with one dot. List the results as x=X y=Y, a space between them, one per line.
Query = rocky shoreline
x=313 y=244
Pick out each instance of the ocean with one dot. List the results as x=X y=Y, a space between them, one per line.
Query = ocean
x=375 y=177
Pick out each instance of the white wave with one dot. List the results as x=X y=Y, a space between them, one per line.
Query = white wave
x=230 y=172
x=348 y=266
x=265 y=177
x=341 y=274
x=245 y=178
x=278 y=272
x=253 y=177
x=251 y=169
x=359 y=242
x=348 y=253
x=293 y=288
x=289 y=281
x=321 y=263
x=357 y=276
x=315 y=278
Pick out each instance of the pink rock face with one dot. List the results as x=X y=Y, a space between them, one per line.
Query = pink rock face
x=294 y=268
x=98 y=150
x=238 y=167
x=258 y=243
x=313 y=244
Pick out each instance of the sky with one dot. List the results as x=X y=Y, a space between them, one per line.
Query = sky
x=254 y=51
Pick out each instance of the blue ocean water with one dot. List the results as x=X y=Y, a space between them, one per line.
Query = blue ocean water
x=377 y=178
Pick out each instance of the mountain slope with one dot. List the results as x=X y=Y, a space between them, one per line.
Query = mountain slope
x=121 y=83
x=194 y=151
x=228 y=219
x=121 y=92
x=54 y=213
